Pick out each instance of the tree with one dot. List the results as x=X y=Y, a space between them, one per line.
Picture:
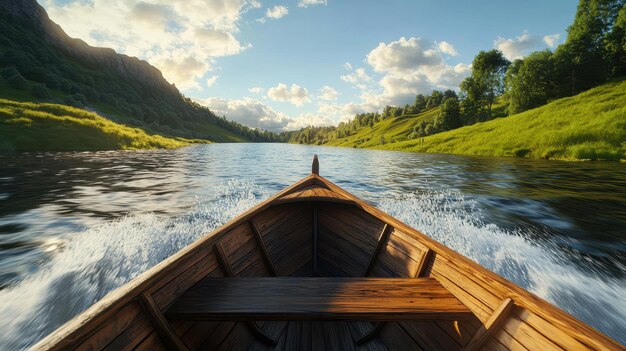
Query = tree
x=420 y=103
x=582 y=60
x=40 y=91
x=434 y=100
x=530 y=82
x=488 y=70
x=449 y=116
x=472 y=103
x=615 y=45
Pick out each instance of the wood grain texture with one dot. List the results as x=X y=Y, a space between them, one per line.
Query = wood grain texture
x=160 y=324
x=492 y=325
x=318 y=299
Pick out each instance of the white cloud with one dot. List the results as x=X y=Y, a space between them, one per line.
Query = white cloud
x=409 y=67
x=404 y=55
x=359 y=75
x=250 y=112
x=308 y=119
x=256 y=90
x=276 y=12
x=520 y=46
x=447 y=48
x=211 y=81
x=328 y=93
x=307 y=3
x=182 y=38
x=552 y=39
x=256 y=114
x=295 y=94
x=347 y=66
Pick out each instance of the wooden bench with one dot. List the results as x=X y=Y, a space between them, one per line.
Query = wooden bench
x=296 y=298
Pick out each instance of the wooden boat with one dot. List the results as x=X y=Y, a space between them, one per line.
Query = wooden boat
x=315 y=268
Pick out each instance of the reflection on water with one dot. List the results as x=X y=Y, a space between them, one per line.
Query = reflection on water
x=74 y=226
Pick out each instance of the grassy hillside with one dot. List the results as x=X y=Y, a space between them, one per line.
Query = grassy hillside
x=390 y=129
x=38 y=126
x=39 y=62
x=588 y=126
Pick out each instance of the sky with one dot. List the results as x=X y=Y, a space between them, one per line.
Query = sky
x=283 y=65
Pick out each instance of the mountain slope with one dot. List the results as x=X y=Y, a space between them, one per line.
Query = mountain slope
x=39 y=62
x=36 y=126
x=591 y=125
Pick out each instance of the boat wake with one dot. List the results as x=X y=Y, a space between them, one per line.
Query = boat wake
x=101 y=258
x=589 y=294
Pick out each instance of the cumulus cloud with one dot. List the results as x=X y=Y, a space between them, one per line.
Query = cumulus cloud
x=358 y=76
x=249 y=112
x=211 y=81
x=447 y=48
x=552 y=39
x=256 y=114
x=328 y=93
x=308 y=119
x=307 y=3
x=521 y=46
x=182 y=38
x=408 y=67
x=256 y=90
x=276 y=12
x=404 y=55
x=295 y=94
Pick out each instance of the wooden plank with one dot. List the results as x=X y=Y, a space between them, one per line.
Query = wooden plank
x=151 y=343
x=315 y=236
x=494 y=322
x=318 y=298
x=429 y=336
x=264 y=252
x=382 y=241
x=253 y=327
x=160 y=324
x=397 y=338
x=423 y=263
x=223 y=259
x=118 y=324
x=553 y=333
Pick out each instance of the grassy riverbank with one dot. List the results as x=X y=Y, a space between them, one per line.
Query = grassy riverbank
x=588 y=126
x=29 y=126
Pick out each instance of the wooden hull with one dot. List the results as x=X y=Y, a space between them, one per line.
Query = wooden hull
x=315 y=228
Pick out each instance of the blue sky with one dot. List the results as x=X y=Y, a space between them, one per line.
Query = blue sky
x=285 y=64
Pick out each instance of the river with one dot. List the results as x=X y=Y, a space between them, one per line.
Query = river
x=74 y=226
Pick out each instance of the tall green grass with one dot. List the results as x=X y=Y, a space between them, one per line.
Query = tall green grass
x=41 y=126
x=588 y=126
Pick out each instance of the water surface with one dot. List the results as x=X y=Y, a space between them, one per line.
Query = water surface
x=74 y=226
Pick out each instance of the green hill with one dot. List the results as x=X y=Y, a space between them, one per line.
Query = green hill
x=390 y=129
x=38 y=126
x=588 y=126
x=40 y=62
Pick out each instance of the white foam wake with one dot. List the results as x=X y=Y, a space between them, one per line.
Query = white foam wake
x=591 y=295
x=94 y=262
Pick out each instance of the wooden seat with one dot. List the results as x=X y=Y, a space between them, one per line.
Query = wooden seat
x=295 y=298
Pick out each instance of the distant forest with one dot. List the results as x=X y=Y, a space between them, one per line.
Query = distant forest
x=593 y=53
